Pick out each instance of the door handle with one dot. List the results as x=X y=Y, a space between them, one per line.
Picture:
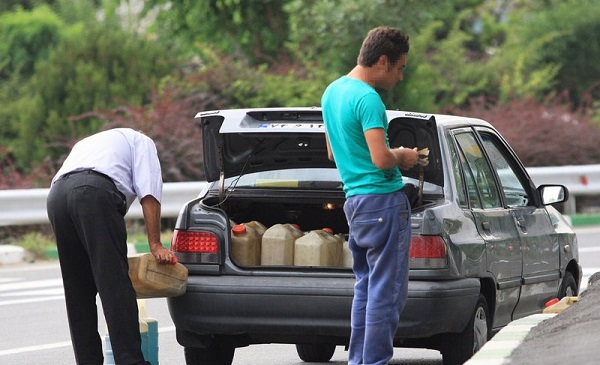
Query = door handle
x=521 y=224
x=485 y=225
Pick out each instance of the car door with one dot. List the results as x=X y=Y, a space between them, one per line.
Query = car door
x=539 y=247
x=495 y=224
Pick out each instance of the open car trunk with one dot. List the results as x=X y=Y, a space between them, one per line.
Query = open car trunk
x=240 y=144
x=312 y=213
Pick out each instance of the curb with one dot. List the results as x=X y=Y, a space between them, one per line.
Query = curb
x=10 y=254
x=499 y=348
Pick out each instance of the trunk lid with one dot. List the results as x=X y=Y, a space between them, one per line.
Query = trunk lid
x=241 y=141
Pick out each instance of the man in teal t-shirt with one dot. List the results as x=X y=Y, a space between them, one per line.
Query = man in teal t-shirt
x=377 y=211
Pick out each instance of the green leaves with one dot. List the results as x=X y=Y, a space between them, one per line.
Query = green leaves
x=69 y=59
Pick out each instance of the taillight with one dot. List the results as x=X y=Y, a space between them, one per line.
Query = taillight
x=428 y=252
x=194 y=242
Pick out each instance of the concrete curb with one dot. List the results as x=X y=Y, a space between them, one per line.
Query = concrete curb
x=10 y=254
x=498 y=349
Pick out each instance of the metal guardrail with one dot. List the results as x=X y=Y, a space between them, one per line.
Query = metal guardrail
x=28 y=206
x=581 y=180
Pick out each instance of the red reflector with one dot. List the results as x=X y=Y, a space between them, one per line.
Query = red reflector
x=195 y=242
x=427 y=247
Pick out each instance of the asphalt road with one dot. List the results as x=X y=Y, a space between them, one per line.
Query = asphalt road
x=571 y=337
x=33 y=327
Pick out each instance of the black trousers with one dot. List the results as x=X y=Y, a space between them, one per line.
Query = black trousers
x=86 y=212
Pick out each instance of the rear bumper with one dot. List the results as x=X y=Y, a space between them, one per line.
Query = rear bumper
x=294 y=309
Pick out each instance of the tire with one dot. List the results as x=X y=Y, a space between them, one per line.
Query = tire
x=213 y=355
x=315 y=352
x=457 y=348
x=568 y=286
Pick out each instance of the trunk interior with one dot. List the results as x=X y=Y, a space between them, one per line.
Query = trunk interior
x=309 y=214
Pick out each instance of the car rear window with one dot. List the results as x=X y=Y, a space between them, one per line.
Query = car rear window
x=307 y=178
x=303 y=178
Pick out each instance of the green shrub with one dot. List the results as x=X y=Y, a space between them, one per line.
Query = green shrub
x=36 y=243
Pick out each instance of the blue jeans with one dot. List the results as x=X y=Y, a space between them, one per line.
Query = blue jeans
x=379 y=241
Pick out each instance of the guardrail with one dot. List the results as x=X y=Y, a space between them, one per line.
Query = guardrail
x=581 y=180
x=28 y=206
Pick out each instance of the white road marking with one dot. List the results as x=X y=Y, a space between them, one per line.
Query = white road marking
x=589 y=249
x=31 y=284
x=21 y=350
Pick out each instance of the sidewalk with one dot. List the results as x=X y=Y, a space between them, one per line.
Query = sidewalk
x=499 y=349
x=570 y=337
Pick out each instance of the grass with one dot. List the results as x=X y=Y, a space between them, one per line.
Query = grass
x=43 y=246
x=36 y=244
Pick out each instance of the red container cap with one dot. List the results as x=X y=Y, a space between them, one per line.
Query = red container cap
x=551 y=302
x=238 y=229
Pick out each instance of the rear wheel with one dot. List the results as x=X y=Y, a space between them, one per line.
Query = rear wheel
x=313 y=352
x=214 y=355
x=457 y=348
x=568 y=287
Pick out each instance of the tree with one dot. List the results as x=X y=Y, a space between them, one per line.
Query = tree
x=252 y=30
x=91 y=67
x=542 y=133
x=330 y=33
x=26 y=37
x=569 y=31
x=11 y=5
x=169 y=120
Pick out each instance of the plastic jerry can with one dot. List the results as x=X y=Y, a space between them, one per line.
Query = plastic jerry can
x=153 y=280
x=277 y=246
x=347 y=260
x=318 y=248
x=246 y=241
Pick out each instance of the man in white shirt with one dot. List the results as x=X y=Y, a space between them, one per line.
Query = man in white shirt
x=88 y=199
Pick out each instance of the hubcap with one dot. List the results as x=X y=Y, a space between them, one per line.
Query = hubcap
x=569 y=292
x=480 y=329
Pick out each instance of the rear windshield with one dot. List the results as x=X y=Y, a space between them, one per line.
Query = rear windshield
x=310 y=178
x=306 y=178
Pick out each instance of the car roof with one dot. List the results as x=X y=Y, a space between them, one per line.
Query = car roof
x=288 y=114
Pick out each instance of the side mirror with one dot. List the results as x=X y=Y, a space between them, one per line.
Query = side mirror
x=552 y=194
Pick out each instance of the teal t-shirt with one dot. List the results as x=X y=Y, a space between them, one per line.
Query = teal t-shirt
x=351 y=107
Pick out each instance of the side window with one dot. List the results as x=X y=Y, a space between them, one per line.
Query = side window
x=515 y=194
x=458 y=174
x=474 y=198
x=476 y=165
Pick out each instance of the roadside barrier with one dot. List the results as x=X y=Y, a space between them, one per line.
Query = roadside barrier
x=28 y=206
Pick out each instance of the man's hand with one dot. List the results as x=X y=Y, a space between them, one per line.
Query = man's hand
x=162 y=255
x=406 y=157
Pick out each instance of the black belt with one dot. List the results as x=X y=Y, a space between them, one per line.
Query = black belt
x=90 y=172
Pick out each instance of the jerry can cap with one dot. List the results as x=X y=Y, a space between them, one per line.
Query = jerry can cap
x=238 y=229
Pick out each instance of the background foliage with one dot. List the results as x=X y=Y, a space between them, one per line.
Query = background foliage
x=70 y=68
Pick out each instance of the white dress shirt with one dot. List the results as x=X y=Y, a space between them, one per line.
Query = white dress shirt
x=127 y=156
